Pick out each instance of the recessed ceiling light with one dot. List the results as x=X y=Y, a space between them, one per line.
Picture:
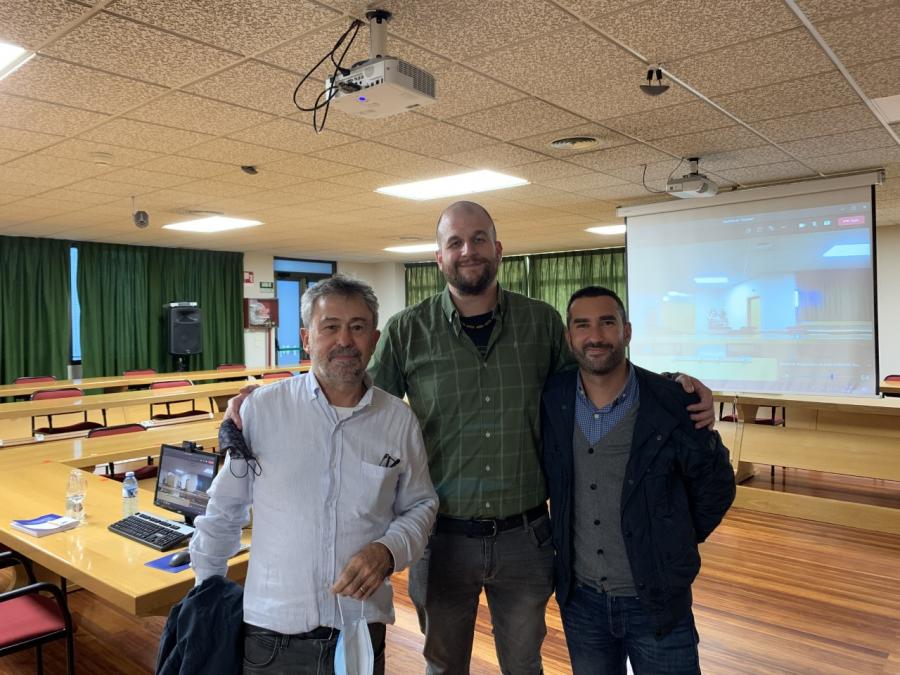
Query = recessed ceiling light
x=607 y=229
x=449 y=186
x=414 y=248
x=575 y=143
x=212 y=224
x=12 y=57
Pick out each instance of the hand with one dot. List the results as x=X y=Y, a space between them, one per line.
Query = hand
x=233 y=411
x=365 y=572
x=703 y=413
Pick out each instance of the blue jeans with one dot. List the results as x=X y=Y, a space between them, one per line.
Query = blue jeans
x=602 y=630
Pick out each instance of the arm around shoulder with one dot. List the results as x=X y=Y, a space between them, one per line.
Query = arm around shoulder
x=709 y=479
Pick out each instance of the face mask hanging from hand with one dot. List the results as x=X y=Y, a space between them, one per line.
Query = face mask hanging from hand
x=353 y=654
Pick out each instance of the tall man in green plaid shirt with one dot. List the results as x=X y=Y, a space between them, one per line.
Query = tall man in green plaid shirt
x=472 y=361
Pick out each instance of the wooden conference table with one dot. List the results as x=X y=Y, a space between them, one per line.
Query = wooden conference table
x=121 y=381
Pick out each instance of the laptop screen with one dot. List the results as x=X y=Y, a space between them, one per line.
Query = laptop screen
x=183 y=479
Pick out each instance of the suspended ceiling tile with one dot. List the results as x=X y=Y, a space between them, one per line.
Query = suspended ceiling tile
x=252 y=85
x=767 y=60
x=666 y=31
x=862 y=159
x=584 y=183
x=436 y=140
x=230 y=24
x=170 y=200
x=47 y=164
x=734 y=159
x=78 y=197
x=7 y=155
x=366 y=155
x=14 y=179
x=548 y=169
x=214 y=188
x=702 y=143
x=195 y=113
x=860 y=38
x=496 y=156
x=878 y=79
x=446 y=28
x=146 y=178
x=82 y=150
x=771 y=172
x=236 y=153
x=187 y=166
x=460 y=91
x=116 y=45
x=310 y=167
x=303 y=53
x=614 y=193
x=593 y=8
x=29 y=24
x=113 y=188
x=615 y=96
x=26 y=141
x=789 y=98
x=47 y=118
x=561 y=60
x=541 y=142
x=821 y=10
x=672 y=121
x=264 y=180
x=20 y=188
x=279 y=197
x=417 y=167
x=364 y=180
x=521 y=118
x=622 y=156
x=836 y=144
x=292 y=135
x=818 y=123
x=144 y=136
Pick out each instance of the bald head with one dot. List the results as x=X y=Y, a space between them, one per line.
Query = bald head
x=468 y=211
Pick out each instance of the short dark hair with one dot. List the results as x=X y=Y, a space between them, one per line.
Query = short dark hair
x=468 y=208
x=595 y=292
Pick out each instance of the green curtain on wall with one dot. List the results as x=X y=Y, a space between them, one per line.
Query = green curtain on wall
x=34 y=307
x=555 y=276
x=122 y=290
x=551 y=277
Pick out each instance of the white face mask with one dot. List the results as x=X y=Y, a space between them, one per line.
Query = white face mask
x=353 y=654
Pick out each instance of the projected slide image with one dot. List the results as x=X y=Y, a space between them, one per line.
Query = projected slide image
x=777 y=301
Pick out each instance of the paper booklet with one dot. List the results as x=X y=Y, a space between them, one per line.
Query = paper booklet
x=44 y=525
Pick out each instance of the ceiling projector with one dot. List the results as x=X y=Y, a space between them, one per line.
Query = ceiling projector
x=693 y=184
x=381 y=85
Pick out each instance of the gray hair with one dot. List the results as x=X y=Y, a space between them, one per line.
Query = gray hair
x=339 y=284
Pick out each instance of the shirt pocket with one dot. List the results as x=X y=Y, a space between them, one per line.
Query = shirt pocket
x=377 y=488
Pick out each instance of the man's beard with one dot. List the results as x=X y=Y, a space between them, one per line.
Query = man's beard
x=473 y=287
x=600 y=365
x=342 y=371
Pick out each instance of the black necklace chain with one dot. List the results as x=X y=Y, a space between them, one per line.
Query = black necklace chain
x=477 y=326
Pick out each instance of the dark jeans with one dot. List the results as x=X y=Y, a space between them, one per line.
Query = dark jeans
x=269 y=653
x=515 y=568
x=602 y=630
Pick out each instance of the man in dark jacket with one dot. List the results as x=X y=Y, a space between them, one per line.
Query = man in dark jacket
x=634 y=487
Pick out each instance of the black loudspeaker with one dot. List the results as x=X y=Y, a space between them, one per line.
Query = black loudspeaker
x=185 y=330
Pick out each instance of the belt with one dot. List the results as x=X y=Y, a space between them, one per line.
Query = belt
x=490 y=527
x=320 y=633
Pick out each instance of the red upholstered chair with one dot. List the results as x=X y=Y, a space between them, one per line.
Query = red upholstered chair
x=277 y=376
x=116 y=429
x=29 y=619
x=771 y=421
x=67 y=392
x=231 y=366
x=31 y=379
x=137 y=372
x=169 y=415
x=892 y=378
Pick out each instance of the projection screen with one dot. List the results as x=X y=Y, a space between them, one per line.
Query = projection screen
x=773 y=295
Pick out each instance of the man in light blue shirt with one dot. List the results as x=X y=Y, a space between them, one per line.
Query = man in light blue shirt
x=341 y=498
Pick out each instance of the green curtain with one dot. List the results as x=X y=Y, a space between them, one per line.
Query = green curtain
x=122 y=290
x=34 y=307
x=551 y=277
x=555 y=276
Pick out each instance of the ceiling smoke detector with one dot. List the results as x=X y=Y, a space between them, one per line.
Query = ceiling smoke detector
x=575 y=143
x=102 y=158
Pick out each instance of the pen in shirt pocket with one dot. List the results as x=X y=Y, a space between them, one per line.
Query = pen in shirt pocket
x=388 y=462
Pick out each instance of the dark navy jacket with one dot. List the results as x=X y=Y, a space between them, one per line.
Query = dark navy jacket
x=204 y=632
x=678 y=486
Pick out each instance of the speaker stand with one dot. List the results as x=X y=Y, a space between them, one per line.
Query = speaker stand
x=181 y=364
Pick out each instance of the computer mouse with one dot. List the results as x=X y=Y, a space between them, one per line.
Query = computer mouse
x=180 y=558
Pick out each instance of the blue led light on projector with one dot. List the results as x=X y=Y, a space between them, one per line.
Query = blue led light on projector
x=361 y=98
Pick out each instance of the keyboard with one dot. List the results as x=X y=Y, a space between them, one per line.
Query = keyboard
x=152 y=531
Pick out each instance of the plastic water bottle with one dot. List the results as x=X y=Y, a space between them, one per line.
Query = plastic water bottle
x=129 y=495
x=76 y=487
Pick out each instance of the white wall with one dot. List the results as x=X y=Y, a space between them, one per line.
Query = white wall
x=255 y=340
x=887 y=243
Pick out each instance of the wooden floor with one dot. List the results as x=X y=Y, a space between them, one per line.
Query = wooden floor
x=776 y=595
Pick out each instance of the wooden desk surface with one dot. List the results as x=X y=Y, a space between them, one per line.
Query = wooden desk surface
x=24 y=409
x=860 y=405
x=121 y=381
x=106 y=564
x=85 y=452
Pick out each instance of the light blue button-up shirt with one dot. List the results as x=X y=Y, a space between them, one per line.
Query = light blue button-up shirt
x=321 y=496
